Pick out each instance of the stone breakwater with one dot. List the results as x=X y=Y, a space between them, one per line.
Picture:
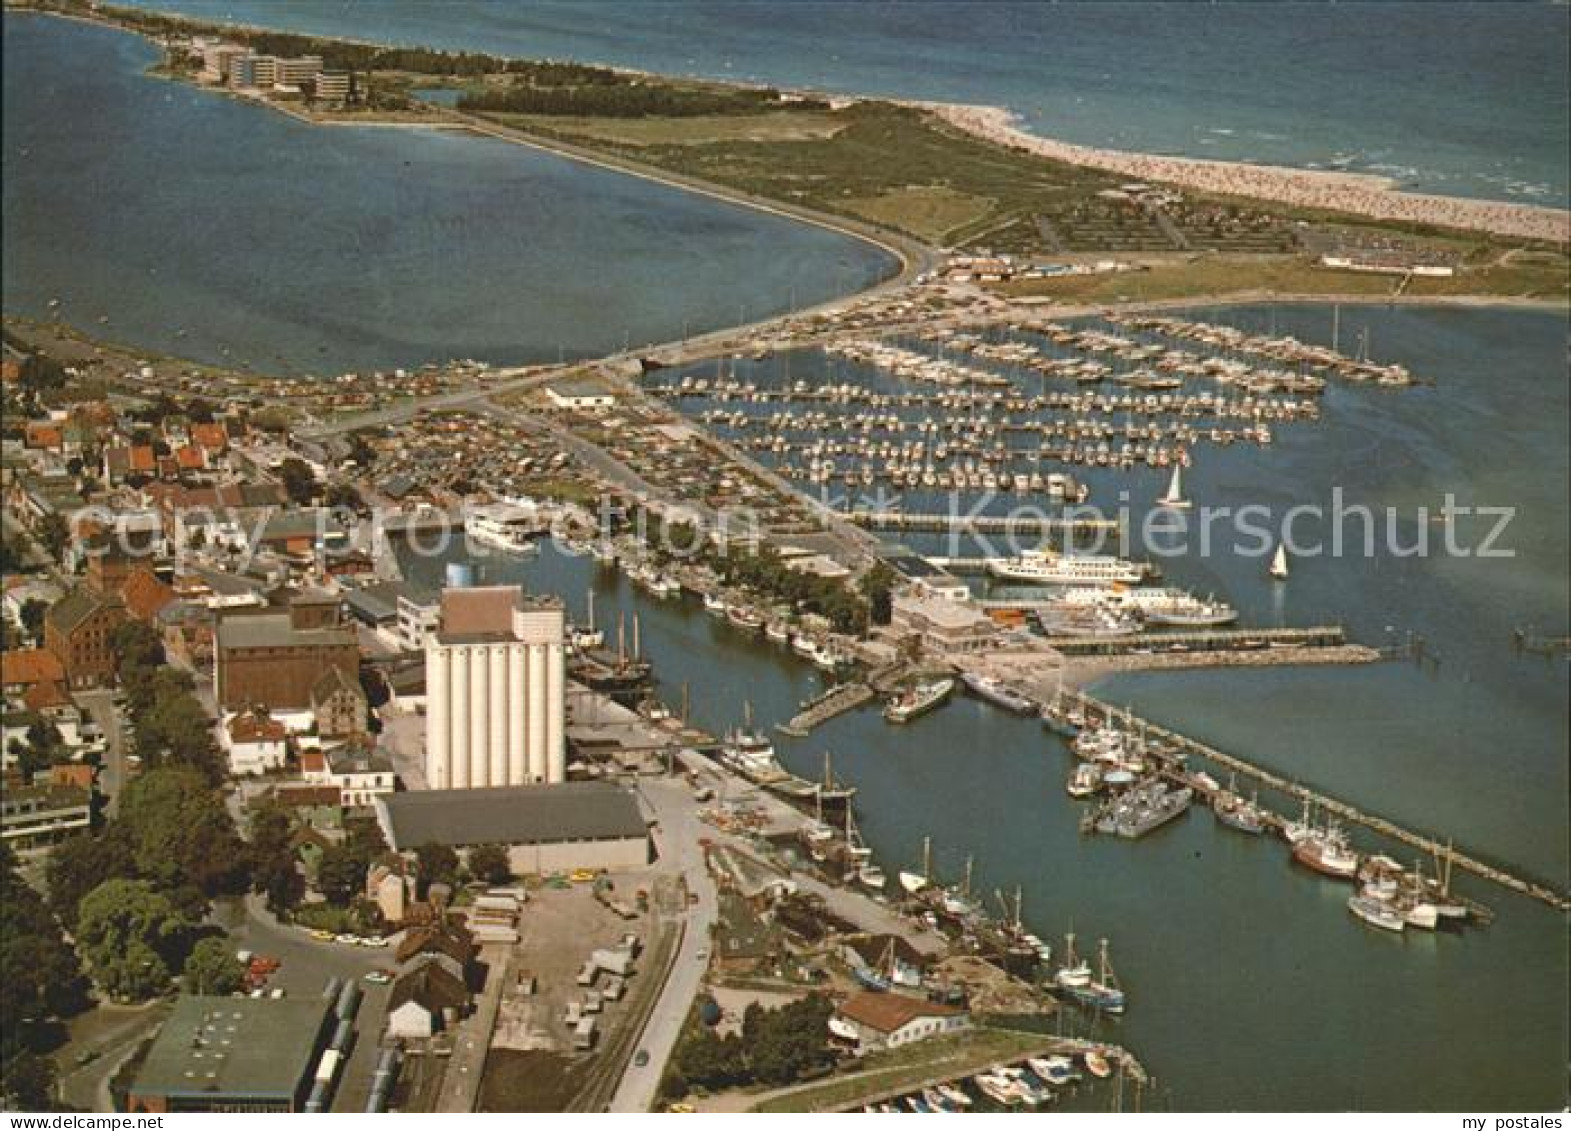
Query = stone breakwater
x=1361 y=194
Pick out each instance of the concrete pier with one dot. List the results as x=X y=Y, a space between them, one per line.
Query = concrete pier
x=1180 y=745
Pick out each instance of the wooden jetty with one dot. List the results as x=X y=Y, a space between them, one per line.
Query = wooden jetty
x=836 y=701
x=1178 y=744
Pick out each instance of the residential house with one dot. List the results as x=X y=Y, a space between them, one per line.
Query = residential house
x=425 y=1000
x=254 y=742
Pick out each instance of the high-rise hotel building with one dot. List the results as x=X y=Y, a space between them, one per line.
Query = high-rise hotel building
x=495 y=690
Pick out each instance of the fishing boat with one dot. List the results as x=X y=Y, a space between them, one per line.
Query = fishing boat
x=778 y=631
x=1102 y=992
x=1085 y=781
x=1075 y=973
x=1097 y=1064
x=997 y=692
x=918 y=700
x=1145 y=807
x=871 y=979
x=1326 y=851
x=1174 y=498
x=1279 y=563
x=1376 y=912
x=1236 y=813
x=748 y=750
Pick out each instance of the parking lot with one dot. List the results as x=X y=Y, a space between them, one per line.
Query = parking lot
x=305 y=965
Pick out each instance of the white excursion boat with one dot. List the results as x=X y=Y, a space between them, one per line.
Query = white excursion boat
x=1049 y=567
x=505 y=527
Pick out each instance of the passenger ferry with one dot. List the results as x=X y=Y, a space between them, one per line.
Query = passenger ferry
x=504 y=527
x=1049 y=567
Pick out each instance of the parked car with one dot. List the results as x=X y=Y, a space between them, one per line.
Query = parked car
x=640 y=1058
x=379 y=977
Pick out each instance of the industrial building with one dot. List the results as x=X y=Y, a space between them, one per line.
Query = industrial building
x=545 y=828
x=233 y=1054
x=495 y=690
x=274 y=657
x=874 y=1021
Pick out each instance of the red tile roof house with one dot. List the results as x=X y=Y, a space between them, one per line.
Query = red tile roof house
x=889 y=1020
x=254 y=742
x=25 y=668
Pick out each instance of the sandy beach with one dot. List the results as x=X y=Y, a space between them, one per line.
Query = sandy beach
x=1357 y=193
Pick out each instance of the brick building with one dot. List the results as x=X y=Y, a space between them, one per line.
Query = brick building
x=77 y=629
x=274 y=657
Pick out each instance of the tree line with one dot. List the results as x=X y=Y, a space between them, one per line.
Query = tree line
x=633 y=99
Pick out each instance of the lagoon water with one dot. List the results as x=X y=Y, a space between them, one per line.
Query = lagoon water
x=1252 y=985
x=150 y=208
x=1466 y=99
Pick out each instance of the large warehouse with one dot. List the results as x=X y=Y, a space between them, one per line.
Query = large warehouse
x=545 y=828
x=233 y=1054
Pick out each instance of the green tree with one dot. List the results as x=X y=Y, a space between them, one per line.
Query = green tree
x=180 y=731
x=53 y=535
x=878 y=586
x=180 y=830
x=788 y=1040
x=81 y=863
x=40 y=979
x=298 y=480
x=489 y=863
x=133 y=938
x=27 y=1081
x=139 y=649
x=213 y=968
x=363 y=835
x=32 y=617
x=340 y=875
x=438 y=864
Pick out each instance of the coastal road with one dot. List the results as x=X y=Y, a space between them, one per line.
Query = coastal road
x=671 y=804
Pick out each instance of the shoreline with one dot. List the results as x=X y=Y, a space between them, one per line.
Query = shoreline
x=1359 y=194
x=1367 y=195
